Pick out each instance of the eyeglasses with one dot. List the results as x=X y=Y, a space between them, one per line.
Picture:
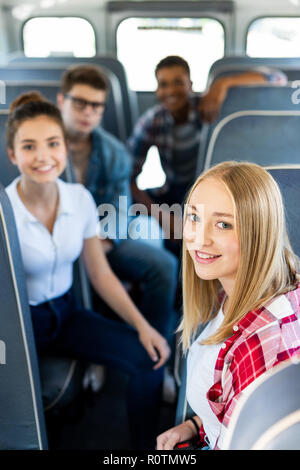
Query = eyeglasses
x=81 y=104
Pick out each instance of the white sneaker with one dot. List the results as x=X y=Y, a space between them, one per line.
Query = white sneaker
x=94 y=377
x=169 y=387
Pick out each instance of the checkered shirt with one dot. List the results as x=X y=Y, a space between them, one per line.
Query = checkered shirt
x=262 y=339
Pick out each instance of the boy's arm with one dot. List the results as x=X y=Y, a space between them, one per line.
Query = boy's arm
x=211 y=102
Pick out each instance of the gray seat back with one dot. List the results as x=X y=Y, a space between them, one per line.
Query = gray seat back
x=8 y=171
x=237 y=64
x=129 y=97
x=21 y=411
x=263 y=137
x=288 y=179
x=14 y=88
x=247 y=98
x=258 y=97
x=46 y=79
x=183 y=410
x=268 y=416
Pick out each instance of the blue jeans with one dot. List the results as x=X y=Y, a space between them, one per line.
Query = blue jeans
x=156 y=271
x=63 y=328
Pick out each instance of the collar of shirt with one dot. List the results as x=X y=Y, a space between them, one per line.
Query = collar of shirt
x=278 y=307
x=65 y=207
x=193 y=114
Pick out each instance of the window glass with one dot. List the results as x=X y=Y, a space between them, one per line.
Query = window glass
x=143 y=42
x=274 y=37
x=152 y=175
x=47 y=36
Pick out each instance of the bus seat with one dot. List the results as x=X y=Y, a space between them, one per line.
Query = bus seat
x=263 y=137
x=238 y=64
x=21 y=411
x=15 y=88
x=268 y=415
x=61 y=378
x=46 y=79
x=183 y=410
x=62 y=381
x=258 y=97
x=115 y=66
x=8 y=171
x=288 y=179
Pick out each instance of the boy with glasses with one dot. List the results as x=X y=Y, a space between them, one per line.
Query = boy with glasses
x=80 y=104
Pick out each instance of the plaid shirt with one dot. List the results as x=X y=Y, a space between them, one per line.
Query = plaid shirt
x=261 y=340
x=155 y=127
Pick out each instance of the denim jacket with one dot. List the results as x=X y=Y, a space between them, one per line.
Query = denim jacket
x=108 y=177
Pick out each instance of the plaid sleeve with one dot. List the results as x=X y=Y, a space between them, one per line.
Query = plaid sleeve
x=260 y=352
x=141 y=140
x=250 y=359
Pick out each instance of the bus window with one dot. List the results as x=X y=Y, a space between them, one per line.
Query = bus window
x=143 y=42
x=152 y=175
x=274 y=37
x=73 y=36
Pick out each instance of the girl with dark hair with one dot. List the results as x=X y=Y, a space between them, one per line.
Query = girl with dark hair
x=57 y=222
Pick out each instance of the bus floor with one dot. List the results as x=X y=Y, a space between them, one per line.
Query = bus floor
x=100 y=420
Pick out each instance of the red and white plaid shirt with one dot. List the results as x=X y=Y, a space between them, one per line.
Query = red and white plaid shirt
x=261 y=340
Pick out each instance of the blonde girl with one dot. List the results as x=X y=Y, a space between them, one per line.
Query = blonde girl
x=240 y=277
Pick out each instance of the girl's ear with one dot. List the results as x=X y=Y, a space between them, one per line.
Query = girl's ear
x=11 y=155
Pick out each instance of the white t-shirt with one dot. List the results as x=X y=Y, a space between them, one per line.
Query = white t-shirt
x=200 y=378
x=48 y=258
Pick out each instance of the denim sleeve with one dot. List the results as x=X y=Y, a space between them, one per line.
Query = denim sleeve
x=118 y=198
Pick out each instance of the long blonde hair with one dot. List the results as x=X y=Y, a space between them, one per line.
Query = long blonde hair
x=267 y=267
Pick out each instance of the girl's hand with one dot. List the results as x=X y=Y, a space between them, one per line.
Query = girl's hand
x=182 y=432
x=110 y=289
x=155 y=344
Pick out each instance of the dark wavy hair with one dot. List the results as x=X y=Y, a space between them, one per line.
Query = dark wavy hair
x=85 y=74
x=173 y=61
x=29 y=106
